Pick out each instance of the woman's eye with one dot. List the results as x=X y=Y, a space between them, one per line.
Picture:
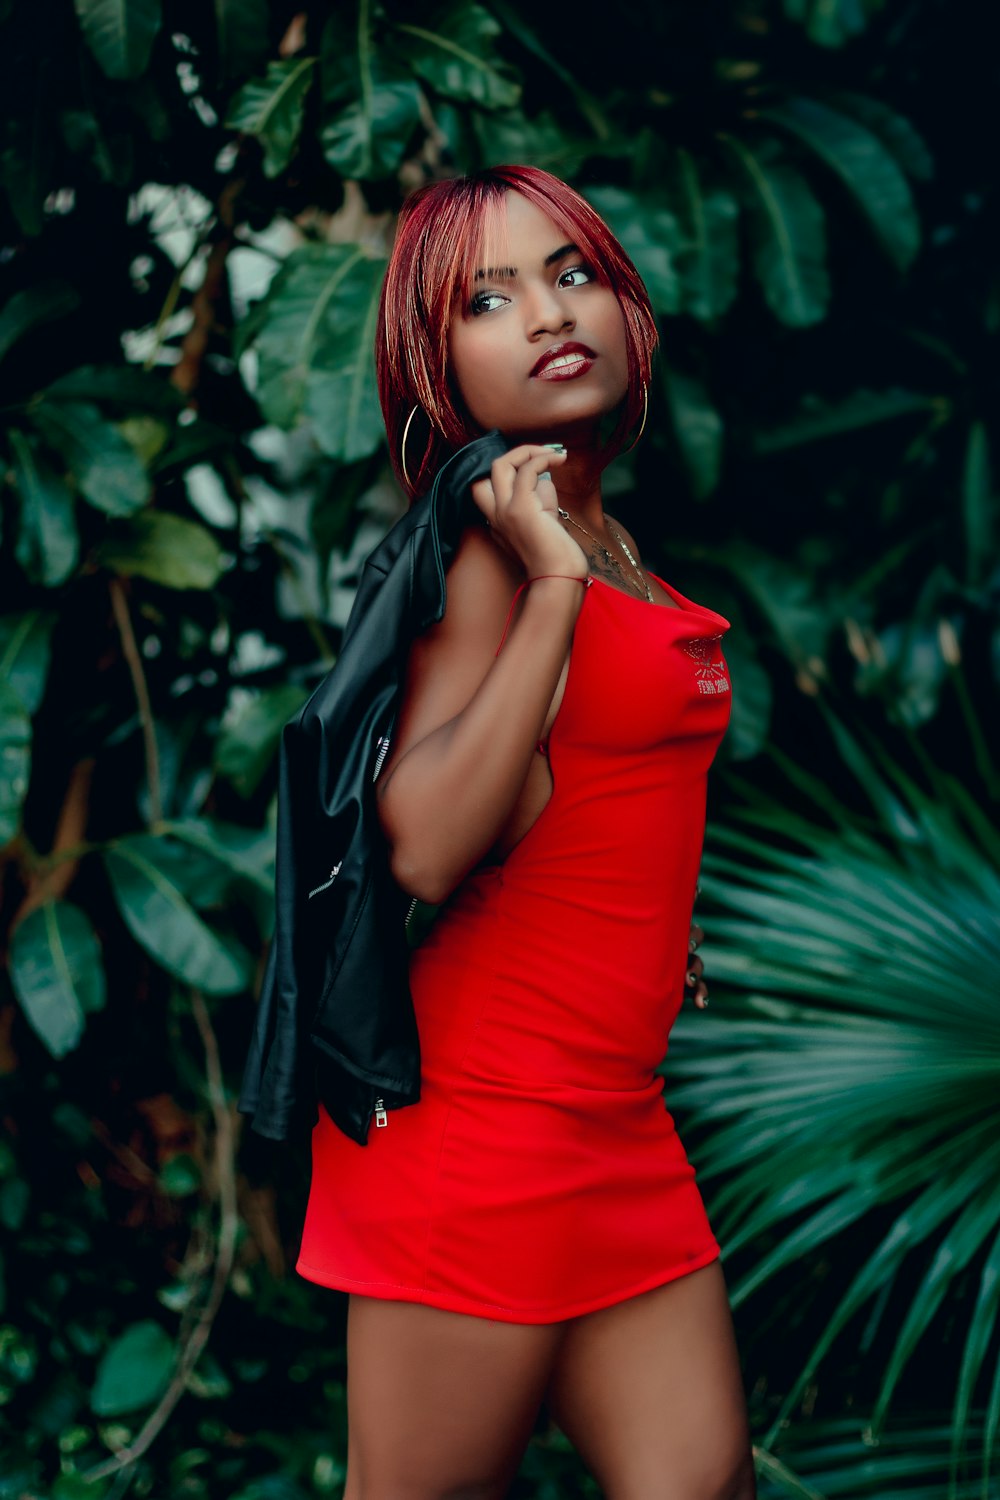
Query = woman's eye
x=485 y=302
x=576 y=276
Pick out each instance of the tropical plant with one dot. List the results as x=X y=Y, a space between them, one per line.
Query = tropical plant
x=195 y=204
x=845 y=1097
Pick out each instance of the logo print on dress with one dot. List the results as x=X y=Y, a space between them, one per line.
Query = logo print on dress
x=710 y=673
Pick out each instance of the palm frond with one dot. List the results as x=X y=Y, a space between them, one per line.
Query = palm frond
x=848 y=1083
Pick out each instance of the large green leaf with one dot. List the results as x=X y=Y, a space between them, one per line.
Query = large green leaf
x=698 y=428
x=706 y=250
x=57 y=972
x=120 y=33
x=861 y=162
x=48 y=546
x=787 y=232
x=165 y=925
x=314 y=337
x=103 y=463
x=818 y=419
x=248 y=740
x=24 y=654
x=124 y=387
x=832 y=23
x=456 y=53
x=272 y=109
x=134 y=1371
x=371 y=102
x=651 y=236
x=44 y=302
x=165 y=548
x=895 y=131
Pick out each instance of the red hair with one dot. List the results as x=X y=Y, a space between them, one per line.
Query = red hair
x=441 y=232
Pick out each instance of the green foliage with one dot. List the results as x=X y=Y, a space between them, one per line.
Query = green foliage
x=197 y=203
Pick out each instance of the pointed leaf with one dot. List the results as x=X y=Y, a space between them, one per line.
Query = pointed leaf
x=120 y=33
x=787 y=233
x=896 y=132
x=162 y=922
x=48 y=546
x=863 y=165
x=167 y=549
x=272 y=109
x=698 y=429
x=248 y=740
x=122 y=386
x=24 y=654
x=371 y=101
x=134 y=1372
x=103 y=463
x=57 y=972
x=456 y=55
x=44 y=302
x=651 y=236
x=314 y=338
x=706 y=252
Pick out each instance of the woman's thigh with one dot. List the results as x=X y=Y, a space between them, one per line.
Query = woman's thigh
x=650 y=1393
x=439 y=1404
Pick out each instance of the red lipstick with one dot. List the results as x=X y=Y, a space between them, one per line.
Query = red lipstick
x=563 y=362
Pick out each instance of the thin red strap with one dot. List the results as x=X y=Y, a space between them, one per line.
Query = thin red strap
x=573 y=577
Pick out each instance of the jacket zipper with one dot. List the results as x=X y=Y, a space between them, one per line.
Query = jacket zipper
x=327 y=883
x=381 y=1118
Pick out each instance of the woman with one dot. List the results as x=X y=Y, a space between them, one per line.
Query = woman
x=531 y=1229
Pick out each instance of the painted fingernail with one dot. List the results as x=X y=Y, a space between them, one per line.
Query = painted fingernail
x=692 y=979
x=556 y=447
x=702 y=1004
x=544 y=475
x=692 y=942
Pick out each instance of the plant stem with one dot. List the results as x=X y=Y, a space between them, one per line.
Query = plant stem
x=130 y=649
x=225 y=1173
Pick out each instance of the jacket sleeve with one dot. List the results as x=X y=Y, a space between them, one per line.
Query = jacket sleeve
x=278 y=1089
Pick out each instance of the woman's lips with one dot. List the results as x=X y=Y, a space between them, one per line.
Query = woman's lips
x=564 y=362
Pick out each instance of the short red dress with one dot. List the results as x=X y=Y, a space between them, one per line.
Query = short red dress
x=540 y=1175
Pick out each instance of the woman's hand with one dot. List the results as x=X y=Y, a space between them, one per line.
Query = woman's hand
x=521 y=506
x=694 y=985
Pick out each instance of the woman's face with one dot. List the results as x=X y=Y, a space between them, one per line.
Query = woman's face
x=539 y=351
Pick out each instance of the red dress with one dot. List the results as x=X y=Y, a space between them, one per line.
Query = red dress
x=540 y=1175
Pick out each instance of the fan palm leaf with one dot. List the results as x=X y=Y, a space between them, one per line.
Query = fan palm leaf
x=851 y=1085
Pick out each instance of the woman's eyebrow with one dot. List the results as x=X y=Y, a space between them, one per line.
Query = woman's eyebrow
x=509 y=273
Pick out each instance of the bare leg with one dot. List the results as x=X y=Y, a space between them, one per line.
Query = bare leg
x=440 y=1405
x=649 y=1392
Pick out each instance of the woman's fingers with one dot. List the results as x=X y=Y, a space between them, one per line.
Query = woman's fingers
x=694 y=984
x=513 y=476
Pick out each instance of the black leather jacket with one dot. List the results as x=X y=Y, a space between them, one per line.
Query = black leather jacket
x=336 y=1018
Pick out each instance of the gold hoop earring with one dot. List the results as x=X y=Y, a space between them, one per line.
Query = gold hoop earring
x=402 y=448
x=642 y=424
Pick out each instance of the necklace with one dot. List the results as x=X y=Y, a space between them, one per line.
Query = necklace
x=610 y=557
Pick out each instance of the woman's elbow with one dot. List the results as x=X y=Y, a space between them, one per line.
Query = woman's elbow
x=415 y=878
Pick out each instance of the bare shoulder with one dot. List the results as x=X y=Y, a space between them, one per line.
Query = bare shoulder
x=447 y=663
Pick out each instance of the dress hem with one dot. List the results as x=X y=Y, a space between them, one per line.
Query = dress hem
x=393 y=1292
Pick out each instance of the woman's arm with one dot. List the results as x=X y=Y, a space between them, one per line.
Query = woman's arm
x=469 y=720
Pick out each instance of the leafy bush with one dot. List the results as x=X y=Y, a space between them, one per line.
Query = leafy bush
x=196 y=206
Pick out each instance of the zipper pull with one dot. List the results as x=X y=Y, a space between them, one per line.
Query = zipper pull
x=327 y=883
x=381 y=1118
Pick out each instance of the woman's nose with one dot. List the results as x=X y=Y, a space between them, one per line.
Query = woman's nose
x=547 y=313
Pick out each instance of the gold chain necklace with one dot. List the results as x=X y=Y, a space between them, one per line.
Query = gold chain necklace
x=610 y=557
